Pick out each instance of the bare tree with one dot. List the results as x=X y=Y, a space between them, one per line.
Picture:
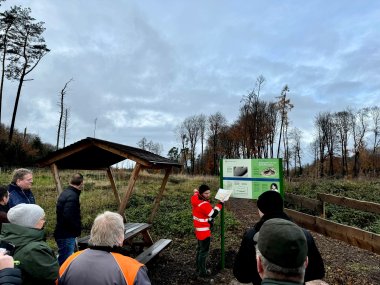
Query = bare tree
x=342 y=122
x=375 y=128
x=66 y=120
x=359 y=125
x=61 y=109
x=284 y=106
x=202 y=129
x=192 y=131
x=295 y=136
x=27 y=49
x=216 y=123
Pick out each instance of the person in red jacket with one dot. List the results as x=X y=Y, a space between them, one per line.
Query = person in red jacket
x=203 y=219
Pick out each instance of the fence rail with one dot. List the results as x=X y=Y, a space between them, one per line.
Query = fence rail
x=351 y=235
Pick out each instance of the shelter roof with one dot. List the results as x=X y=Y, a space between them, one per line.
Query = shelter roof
x=92 y=153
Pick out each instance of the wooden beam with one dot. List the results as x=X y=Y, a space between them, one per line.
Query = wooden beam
x=113 y=186
x=160 y=195
x=305 y=202
x=128 y=192
x=123 y=154
x=350 y=203
x=62 y=155
x=351 y=235
x=57 y=180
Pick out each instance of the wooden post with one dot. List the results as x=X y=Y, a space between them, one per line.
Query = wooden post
x=113 y=185
x=159 y=196
x=128 y=192
x=57 y=180
x=114 y=189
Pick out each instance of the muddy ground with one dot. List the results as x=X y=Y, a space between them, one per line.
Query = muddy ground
x=344 y=264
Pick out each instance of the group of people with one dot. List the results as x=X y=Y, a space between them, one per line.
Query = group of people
x=34 y=262
x=274 y=251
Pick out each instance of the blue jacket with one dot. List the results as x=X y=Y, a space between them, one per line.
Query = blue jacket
x=18 y=196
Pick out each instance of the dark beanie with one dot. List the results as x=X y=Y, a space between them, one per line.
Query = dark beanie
x=203 y=188
x=270 y=202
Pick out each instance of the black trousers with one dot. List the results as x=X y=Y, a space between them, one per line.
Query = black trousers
x=203 y=249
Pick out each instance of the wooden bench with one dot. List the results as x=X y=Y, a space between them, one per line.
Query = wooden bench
x=131 y=231
x=153 y=250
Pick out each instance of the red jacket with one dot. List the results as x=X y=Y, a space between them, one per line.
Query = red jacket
x=203 y=212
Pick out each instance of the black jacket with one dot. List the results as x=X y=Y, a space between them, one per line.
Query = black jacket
x=68 y=214
x=245 y=266
x=10 y=276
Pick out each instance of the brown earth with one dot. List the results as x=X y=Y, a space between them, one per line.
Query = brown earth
x=344 y=264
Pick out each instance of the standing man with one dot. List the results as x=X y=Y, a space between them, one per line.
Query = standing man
x=19 y=189
x=203 y=218
x=281 y=253
x=68 y=225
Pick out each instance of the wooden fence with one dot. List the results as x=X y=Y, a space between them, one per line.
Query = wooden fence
x=351 y=235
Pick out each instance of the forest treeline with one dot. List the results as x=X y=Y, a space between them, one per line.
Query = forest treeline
x=344 y=143
x=24 y=150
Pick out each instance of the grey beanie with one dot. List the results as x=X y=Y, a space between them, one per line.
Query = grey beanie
x=26 y=215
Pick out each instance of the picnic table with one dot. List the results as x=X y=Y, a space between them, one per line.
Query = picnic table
x=137 y=241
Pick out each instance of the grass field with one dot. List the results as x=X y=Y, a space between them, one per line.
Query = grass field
x=174 y=213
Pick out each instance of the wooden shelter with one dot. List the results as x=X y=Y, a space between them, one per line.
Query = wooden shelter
x=96 y=154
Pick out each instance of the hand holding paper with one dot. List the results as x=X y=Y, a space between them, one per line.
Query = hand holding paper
x=223 y=195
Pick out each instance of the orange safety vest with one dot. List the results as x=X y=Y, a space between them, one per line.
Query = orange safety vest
x=202 y=211
x=128 y=266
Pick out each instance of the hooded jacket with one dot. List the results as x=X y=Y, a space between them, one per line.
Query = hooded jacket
x=38 y=262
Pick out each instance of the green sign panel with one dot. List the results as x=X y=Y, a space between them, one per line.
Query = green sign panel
x=248 y=178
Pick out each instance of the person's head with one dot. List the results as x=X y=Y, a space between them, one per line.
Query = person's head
x=281 y=251
x=204 y=191
x=270 y=202
x=273 y=186
x=23 y=178
x=107 y=230
x=4 y=195
x=76 y=180
x=27 y=215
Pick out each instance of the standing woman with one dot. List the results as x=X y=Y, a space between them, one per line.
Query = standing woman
x=20 y=188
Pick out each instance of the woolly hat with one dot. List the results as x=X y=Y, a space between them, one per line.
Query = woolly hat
x=203 y=188
x=26 y=215
x=282 y=243
x=270 y=202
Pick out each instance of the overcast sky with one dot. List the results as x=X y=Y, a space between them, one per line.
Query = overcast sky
x=140 y=68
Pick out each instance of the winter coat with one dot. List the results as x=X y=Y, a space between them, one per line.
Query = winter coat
x=245 y=261
x=10 y=276
x=68 y=214
x=203 y=215
x=102 y=266
x=38 y=262
x=19 y=196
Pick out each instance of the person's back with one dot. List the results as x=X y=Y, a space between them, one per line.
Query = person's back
x=68 y=225
x=270 y=205
x=102 y=263
x=38 y=262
